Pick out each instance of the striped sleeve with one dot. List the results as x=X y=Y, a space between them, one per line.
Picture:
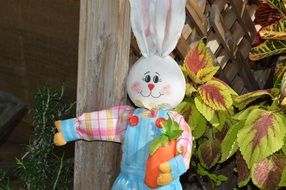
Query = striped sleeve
x=184 y=142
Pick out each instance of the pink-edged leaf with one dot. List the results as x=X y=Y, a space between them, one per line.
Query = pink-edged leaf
x=243 y=171
x=216 y=95
x=266 y=174
x=209 y=153
x=198 y=63
x=242 y=101
x=262 y=135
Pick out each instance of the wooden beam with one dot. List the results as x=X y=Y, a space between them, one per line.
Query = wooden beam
x=104 y=41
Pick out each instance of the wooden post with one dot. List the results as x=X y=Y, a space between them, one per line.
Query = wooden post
x=104 y=40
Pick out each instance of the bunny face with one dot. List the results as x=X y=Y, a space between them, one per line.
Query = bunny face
x=155 y=82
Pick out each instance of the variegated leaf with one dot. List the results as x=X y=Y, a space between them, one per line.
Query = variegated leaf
x=277 y=4
x=242 y=115
x=266 y=174
x=275 y=31
x=266 y=15
x=267 y=48
x=216 y=95
x=242 y=101
x=229 y=144
x=198 y=64
x=262 y=135
x=209 y=153
x=216 y=118
x=242 y=170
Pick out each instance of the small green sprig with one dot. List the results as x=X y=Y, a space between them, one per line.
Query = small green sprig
x=171 y=131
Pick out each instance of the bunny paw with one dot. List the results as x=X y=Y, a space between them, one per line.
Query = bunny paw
x=59 y=139
x=165 y=176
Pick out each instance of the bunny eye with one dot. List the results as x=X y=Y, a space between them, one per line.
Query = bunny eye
x=147 y=78
x=156 y=79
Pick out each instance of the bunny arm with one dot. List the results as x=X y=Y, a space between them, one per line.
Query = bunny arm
x=107 y=125
x=178 y=165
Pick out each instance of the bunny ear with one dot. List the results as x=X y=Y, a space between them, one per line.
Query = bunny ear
x=157 y=25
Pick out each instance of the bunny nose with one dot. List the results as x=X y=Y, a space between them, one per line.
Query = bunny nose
x=151 y=86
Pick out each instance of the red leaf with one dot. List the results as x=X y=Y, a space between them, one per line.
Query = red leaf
x=266 y=15
x=209 y=153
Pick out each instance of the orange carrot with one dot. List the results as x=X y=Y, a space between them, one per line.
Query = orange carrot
x=162 y=154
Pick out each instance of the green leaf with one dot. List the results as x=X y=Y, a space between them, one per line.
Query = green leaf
x=157 y=143
x=229 y=144
x=209 y=153
x=242 y=115
x=190 y=89
x=197 y=122
x=275 y=31
x=282 y=183
x=171 y=129
x=216 y=95
x=267 y=173
x=243 y=171
x=267 y=48
x=216 y=118
x=262 y=135
x=242 y=101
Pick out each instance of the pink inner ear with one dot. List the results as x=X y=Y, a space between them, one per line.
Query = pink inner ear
x=166 y=89
x=136 y=86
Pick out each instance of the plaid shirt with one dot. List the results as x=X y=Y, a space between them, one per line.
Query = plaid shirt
x=110 y=125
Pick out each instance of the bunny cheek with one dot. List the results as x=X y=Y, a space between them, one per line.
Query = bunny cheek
x=136 y=87
x=166 y=90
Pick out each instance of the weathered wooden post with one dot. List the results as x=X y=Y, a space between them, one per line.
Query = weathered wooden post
x=104 y=40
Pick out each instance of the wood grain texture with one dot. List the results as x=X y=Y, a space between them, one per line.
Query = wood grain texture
x=104 y=41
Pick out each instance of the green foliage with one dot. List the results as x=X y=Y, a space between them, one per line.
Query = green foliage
x=40 y=168
x=250 y=126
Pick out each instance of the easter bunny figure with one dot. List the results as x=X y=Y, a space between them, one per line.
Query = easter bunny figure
x=155 y=84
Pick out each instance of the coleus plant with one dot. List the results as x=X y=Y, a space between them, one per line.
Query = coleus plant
x=207 y=107
x=250 y=126
x=271 y=38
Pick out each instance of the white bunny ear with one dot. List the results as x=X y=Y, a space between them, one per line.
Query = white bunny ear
x=157 y=25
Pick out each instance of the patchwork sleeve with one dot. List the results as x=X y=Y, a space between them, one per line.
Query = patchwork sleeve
x=106 y=125
x=184 y=142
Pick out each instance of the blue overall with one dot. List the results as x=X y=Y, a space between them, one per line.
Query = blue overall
x=136 y=151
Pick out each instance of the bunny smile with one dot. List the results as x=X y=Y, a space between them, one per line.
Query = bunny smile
x=150 y=94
